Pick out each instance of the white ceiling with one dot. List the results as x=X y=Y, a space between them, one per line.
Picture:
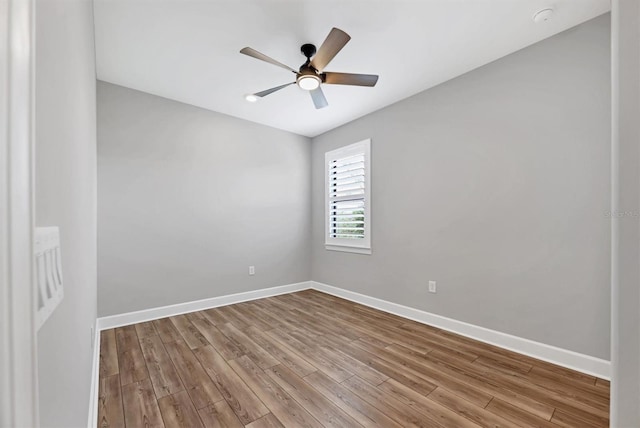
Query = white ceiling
x=187 y=50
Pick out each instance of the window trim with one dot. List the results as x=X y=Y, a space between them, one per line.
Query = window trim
x=342 y=244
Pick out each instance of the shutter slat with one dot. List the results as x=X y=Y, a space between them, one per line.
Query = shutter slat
x=347 y=187
x=347 y=160
x=350 y=195
x=352 y=173
x=348 y=180
x=345 y=168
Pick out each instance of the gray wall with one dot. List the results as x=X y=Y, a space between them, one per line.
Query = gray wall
x=66 y=197
x=189 y=199
x=625 y=343
x=496 y=185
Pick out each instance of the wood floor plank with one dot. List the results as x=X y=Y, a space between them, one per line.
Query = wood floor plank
x=501 y=364
x=309 y=352
x=361 y=330
x=164 y=377
x=370 y=340
x=178 y=411
x=451 y=355
x=281 y=404
x=260 y=311
x=532 y=392
x=309 y=327
x=580 y=393
x=449 y=380
x=342 y=322
x=327 y=413
x=565 y=419
x=268 y=421
x=477 y=414
x=219 y=341
x=238 y=395
x=468 y=373
x=542 y=376
x=477 y=347
x=560 y=371
x=242 y=311
x=394 y=370
x=359 y=309
x=249 y=348
x=145 y=329
x=359 y=409
x=281 y=352
x=423 y=342
x=330 y=347
x=130 y=359
x=195 y=380
x=108 y=353
x=492 y=355
x=352 y=365
x=140 y=405
x=215 y=316
x=166 y=330
x=329 y=328
x=110 y=410
x=391 y=406
x=193 y=316
x=219 y=415
x=189 y=332
x=229 y=313
x=517 y=415
x=283 y=313
x=432 y=410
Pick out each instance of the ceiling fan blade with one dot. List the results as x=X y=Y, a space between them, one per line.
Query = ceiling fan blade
x=254 y=53
x=272 y=90
x=350 y=79
x=318 y=98
x=334 y=42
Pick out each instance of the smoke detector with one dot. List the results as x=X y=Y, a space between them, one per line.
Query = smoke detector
x=543 y=15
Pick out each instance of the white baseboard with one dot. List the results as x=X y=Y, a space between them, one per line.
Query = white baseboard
x=198 y=305
x=562 y=357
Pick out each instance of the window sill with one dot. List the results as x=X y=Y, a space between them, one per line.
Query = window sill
x=357 y=250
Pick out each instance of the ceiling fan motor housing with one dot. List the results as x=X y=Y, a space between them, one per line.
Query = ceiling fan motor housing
x=308 y=50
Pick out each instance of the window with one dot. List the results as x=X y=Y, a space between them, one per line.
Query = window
x=347 y=198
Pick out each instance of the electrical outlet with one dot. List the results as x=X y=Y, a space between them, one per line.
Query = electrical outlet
x=432 y=287
x=252 y=270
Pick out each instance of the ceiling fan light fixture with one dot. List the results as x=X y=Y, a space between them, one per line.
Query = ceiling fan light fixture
x=308 y=82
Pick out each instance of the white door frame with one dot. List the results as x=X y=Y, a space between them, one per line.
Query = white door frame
x=18 y=338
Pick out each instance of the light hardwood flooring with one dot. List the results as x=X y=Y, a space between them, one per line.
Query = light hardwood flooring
x=309 y=359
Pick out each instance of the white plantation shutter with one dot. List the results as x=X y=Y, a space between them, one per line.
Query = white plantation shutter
x=347 y=198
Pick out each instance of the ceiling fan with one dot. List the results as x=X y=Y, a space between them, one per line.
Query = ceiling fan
x=310 y=75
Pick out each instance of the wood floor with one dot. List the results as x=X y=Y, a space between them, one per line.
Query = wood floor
x=308 y=359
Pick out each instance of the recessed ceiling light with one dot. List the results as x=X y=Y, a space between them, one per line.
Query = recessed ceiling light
x=308 y=82
x=251 y=98
x=543 y=15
